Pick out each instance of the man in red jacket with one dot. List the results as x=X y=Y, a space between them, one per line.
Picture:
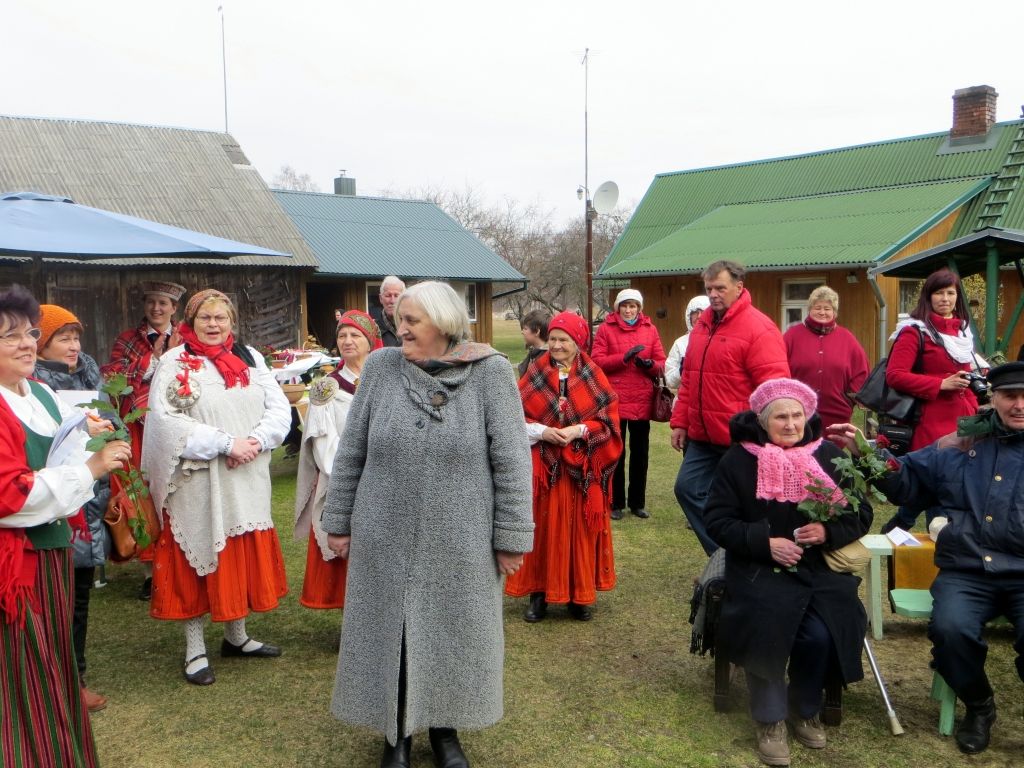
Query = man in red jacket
x=733 y=348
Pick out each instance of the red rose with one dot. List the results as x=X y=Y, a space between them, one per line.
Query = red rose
x=892 y=465
x=882 y=442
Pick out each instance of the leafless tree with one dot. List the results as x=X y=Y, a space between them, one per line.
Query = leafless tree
x=289 y=178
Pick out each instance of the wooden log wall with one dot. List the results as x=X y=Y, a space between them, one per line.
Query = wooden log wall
x=108 y=300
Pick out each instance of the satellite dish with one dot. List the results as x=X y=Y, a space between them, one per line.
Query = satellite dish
x=606 y=196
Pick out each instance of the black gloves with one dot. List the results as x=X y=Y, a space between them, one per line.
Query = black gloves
x=632 y=353
x=643 y=363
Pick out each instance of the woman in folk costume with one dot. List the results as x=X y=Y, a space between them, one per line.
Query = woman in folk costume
x=63 y=366
x=572 y=419
x=43 y=719
x=135 y=354
x=329 y=401
x=216 y=412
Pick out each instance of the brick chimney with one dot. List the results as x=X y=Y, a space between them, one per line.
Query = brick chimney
x=974 y=111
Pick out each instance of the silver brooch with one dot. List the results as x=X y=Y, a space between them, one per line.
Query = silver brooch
x=183 y=396
x=322 y=391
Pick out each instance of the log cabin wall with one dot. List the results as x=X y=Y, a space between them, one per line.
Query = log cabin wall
x=108 y=301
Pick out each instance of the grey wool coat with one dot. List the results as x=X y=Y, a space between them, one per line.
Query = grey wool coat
x=428 y=494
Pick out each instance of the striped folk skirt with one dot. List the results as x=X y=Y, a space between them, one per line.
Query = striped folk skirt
x=43 y=723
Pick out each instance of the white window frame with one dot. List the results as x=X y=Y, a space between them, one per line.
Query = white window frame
x=800 y=305
x=468 y=293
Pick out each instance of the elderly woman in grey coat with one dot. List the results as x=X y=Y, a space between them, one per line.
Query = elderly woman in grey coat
x=430 y=501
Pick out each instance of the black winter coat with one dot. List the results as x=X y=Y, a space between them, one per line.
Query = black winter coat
x=765 y=602
x=85 y=377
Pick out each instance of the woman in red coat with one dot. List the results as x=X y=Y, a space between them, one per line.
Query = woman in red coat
x=939 y=379
x=628 y=349
x=826 y=357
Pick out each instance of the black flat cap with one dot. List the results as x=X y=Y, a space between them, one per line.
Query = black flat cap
x=1007 y=376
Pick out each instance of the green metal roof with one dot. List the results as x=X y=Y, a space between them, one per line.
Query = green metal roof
x=372 y=236
x=853 y=229
x=676 y=200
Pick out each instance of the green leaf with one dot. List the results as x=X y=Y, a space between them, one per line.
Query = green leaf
x=96 y=443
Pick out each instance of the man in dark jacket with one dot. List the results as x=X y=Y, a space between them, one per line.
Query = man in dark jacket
x=391 y=288
x=976 y=479
x=716 y=383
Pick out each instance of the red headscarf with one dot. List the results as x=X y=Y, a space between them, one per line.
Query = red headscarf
x=363 y=323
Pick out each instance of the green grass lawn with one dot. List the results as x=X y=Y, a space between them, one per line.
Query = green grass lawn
x=622 y=690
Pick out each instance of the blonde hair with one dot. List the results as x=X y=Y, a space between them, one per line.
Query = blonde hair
x=824 y=293
x=442 y=305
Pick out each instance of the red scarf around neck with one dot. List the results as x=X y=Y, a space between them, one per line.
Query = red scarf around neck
x=230 y=366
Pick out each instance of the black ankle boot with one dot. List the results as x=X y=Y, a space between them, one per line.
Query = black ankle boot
x=396 y=756
x=975 y=729
x=537 y=609
x=447 y=750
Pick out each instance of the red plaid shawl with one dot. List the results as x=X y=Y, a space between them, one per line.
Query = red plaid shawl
x=130 y=356
x=591 y=401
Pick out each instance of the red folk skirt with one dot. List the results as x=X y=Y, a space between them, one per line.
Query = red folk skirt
x=569 y=561
x=324 y=583
x=249 y=577
x=43 y=721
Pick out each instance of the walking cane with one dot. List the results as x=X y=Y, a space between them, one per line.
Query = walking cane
x=894 y=723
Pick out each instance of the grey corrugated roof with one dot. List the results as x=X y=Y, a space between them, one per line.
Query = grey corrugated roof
x=374 y=236
x=199 y=180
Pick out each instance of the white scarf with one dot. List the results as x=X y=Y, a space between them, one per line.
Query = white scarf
x=959 y=347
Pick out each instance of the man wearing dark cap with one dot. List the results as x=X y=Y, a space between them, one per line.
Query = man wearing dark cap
x=976 y=479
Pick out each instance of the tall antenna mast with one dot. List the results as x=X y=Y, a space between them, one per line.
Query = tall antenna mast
x=224 y=64
x=586 y=131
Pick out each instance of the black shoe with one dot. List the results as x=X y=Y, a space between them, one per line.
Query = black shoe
x=146 y=590
x=447 y=750
x=203 y=676
x=265 y=651
x=618 y=513
x=396 y=756
x=975 y=729
x=581 y=612
x=642 y=513
x=537 y=609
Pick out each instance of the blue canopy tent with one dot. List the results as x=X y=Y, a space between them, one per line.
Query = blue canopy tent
x=38 y=225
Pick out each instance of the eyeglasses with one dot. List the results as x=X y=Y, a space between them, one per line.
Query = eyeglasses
x=14 y=338
x=218 y=319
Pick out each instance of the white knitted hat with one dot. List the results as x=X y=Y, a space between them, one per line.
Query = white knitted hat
x=629 y=294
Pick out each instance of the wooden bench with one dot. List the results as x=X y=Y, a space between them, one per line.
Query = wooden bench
x=917 y=604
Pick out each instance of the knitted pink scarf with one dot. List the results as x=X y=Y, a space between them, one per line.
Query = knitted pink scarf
x=784 y=473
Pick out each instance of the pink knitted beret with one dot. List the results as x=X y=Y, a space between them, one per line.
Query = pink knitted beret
x=777 y=389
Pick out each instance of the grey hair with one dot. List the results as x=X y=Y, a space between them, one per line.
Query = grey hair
x=824 y=293
x=442 y=305
x=715 y=268
x=391 y=280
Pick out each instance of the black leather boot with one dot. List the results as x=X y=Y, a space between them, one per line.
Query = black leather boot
x=973 y=734
x=537 y=609
x=447 y=749
x=396 y=756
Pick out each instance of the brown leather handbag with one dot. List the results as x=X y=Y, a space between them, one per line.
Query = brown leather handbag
x=661 y=405
x=120 y=510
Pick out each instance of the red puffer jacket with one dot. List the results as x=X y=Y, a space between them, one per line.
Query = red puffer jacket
x=634 y=386
x=724 y=363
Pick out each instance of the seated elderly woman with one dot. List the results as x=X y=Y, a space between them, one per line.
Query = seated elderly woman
x=784 y=606
x=216 y=413
x=431 y=490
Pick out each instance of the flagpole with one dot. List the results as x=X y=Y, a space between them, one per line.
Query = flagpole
x=224 y=64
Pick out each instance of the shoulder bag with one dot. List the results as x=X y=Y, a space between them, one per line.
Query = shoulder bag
x=661 y=405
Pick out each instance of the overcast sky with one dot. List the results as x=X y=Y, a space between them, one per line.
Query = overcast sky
x=450 y=93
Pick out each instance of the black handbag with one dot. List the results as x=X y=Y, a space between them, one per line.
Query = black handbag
x=661 y=404
x=876 y=394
